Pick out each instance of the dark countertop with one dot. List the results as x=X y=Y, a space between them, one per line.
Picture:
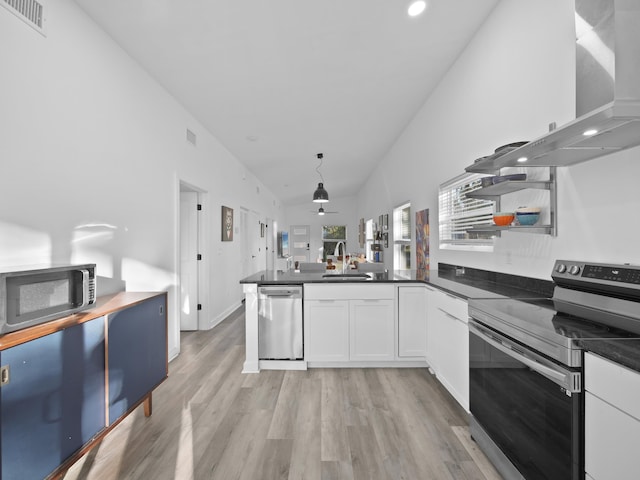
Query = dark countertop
x=463 y=286
x=625 y=351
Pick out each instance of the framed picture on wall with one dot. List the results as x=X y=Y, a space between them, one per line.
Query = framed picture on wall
x=386 y=222
x=422 y=241
x=227 y=224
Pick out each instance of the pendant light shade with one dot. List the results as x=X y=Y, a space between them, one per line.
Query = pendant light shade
x=320 y=195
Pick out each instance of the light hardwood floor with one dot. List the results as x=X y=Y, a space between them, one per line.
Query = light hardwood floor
x=210 y=421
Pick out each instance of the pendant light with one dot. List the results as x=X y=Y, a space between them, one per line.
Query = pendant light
x=320 y=195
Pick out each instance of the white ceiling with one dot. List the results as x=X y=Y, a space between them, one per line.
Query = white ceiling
x=277 y=81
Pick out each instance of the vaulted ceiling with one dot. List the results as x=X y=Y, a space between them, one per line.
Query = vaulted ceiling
x=277 y=81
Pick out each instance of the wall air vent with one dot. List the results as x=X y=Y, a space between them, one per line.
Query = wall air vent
x=29 y=11
x=191 y=137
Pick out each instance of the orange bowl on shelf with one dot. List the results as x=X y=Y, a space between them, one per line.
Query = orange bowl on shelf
x=502 y=219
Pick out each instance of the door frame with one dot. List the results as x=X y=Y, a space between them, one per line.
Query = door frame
x=203 y=247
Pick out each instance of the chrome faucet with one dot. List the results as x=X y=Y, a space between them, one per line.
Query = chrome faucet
x=336 y=252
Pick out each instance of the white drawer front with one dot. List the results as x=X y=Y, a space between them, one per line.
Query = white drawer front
x=453 y=306
x=613 y=383
x=349 y=291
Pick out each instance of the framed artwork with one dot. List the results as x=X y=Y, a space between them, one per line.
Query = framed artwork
x=422 y=241
x=227 y=224
x=385 y=237
x=385 y=226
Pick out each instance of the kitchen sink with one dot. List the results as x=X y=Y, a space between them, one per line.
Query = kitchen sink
x=347 y=276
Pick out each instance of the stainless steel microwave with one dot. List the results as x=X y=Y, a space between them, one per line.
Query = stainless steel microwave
x=35 y=295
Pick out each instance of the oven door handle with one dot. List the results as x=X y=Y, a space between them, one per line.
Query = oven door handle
x=568 y=380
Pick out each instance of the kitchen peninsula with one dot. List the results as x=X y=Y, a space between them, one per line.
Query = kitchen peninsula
x=390 y=319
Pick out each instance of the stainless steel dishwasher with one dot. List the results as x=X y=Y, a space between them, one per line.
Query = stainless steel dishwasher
x=280 y=323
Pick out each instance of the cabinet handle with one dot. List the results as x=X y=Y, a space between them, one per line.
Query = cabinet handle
x=451 y=316
x=4 y=375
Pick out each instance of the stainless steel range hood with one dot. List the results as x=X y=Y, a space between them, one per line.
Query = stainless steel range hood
x=607 y=92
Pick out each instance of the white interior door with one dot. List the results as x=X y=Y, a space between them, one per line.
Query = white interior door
x=250 y=245
x=299 y=240
x=244 y=243
x=256 y=244
x=188 y=260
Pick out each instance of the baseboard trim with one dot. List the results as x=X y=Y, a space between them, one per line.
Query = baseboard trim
x=222 y=316
x=282 y=365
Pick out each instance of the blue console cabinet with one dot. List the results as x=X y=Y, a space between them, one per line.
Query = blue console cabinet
x=54 y=401
x=67 y=383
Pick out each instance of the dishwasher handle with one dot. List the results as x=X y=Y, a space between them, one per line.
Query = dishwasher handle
x=264 y=292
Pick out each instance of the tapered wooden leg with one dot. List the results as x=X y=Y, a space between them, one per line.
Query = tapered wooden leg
x=147 y=406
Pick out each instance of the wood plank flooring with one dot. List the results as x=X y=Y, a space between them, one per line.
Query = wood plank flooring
x=210 y=421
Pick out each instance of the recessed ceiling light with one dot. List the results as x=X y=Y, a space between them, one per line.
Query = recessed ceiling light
x=589 y=133
x=416 y=8
x=522 y=159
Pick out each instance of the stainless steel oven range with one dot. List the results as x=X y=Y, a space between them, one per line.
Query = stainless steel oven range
x=525 y=367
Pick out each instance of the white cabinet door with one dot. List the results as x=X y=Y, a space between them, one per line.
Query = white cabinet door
x=448 y=344
x=612 y=419
x=412 y=321
x=371 y=330
x=326 y=330
x=611 y=441
x=434 y=330
x=454 y=359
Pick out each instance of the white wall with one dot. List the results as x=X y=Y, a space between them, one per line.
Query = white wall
x=92 y=152
x=514 y=78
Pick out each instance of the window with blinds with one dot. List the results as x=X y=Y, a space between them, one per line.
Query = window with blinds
x=459 y=213
x=368 y=236
x=402 y=237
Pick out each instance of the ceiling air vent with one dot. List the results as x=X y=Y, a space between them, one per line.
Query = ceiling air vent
x=29 y=11
x=191 y=137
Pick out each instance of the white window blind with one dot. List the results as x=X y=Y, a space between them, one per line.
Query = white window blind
x=402 y=237
x=369 y=238
x=458 y=213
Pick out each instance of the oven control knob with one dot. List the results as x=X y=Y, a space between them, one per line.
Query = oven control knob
x=574 y=270
x=561 y=268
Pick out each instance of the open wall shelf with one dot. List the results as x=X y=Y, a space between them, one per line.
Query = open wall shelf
x=496 y=191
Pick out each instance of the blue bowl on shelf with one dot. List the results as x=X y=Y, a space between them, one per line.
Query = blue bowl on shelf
x=528 y=216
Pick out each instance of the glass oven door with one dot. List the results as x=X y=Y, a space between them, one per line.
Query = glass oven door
x=529 y=406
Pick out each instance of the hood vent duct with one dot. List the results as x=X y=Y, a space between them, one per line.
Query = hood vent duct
x=607 y=92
